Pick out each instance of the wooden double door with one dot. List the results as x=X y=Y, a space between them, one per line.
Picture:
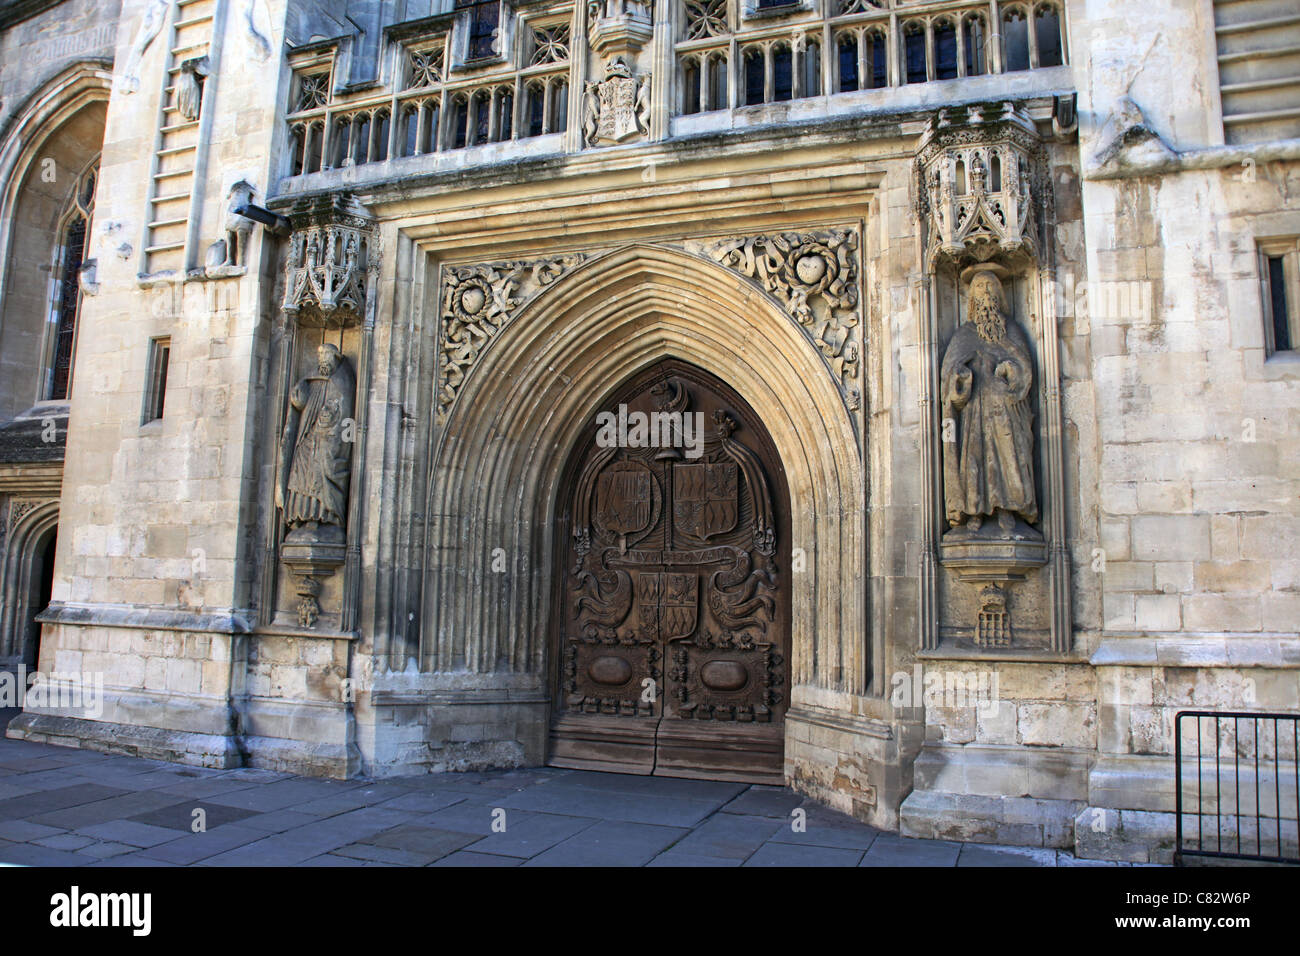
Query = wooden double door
x=672 y=628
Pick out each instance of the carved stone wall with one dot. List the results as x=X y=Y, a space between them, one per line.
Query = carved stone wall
x=992 y=428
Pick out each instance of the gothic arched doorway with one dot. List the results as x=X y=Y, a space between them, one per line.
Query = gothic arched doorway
x=672 y=617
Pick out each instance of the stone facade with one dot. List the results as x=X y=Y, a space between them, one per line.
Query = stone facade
x=495 y=215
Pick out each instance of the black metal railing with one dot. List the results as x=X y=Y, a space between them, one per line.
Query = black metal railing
x=1237 y=792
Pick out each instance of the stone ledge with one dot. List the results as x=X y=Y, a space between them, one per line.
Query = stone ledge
x=1135 y=836
x=1005 y=771
x=1011 y=821
x=145 y=618
x=1189 y=650
x=216 y=751
x=335 y=760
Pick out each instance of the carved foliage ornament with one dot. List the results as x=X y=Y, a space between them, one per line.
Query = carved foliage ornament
x=331 y=252
x=477 y=301
x=814 y=275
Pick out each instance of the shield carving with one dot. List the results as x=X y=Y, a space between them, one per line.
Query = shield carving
x=617 y=108
x=679 y=606
x=668 y=602
x=624 y=498
x=705 y=502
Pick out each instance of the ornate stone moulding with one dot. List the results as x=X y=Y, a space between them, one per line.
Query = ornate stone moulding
x=477 y=302
x=980 y=173
x=814 y=276
x=331 y=252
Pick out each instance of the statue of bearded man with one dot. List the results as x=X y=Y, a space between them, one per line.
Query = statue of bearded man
x=316 y=449
x=987 y=371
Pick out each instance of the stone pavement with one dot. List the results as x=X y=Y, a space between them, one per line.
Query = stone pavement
x=66 y=807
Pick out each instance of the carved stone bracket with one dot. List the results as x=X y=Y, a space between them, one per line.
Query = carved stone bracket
x=332 y=251
x=619 y=26
x=814 y=275
x=477 y=301
x=980 y=172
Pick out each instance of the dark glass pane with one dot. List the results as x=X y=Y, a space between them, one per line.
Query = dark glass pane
x=361 y=141
x=1015 y=34
x=848 y=64
x=483 y=21
x=381 y=138
x=753 y=79
x=1047 y=23
x=299 y=149
x=160 y=384
x=691 y=88
x=459 y=116
x=782 y=74
x=505 y=115
x=340 y=150
x=74 y=247
x=945 y=51
x=718 y=86
x=812 y=70
x=430 y=127
x=412 y=120
x=482 y=114
x=914 y=54
x=1277 y=298
x=559 y=106
x=536 y=110
x=315 y=133
x=974 y=39
x=879 y=62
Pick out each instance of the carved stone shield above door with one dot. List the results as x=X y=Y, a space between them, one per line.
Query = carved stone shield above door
x=673 y=622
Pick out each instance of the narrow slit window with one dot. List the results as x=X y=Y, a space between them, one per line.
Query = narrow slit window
x=1279 y=308
x=155 y=392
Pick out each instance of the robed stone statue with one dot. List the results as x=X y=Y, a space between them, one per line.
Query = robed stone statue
x=316 y=449
x=988 y=469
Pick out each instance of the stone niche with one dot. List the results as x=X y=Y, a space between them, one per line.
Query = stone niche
x=995 y=572
x=322 y=363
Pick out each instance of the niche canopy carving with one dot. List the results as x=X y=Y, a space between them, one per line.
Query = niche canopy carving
x=331 y=253
x=981 y=174
x=618 y=26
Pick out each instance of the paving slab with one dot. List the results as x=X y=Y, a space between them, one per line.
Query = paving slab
x=973 y=854
x=792 y=854
x=470 y=858
x=611 y=843
x=532 y=835
x=194 y=847
x=891 y=850
x=731 y=836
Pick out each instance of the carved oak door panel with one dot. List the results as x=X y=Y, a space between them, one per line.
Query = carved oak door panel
x=673 y=625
